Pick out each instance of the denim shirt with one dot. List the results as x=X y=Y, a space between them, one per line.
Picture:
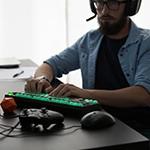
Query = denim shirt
x=134 y=57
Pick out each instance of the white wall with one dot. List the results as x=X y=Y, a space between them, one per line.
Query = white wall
x=142 y=18
x=37 y=29
x=49 y=30
x=32 y=28
x=16 y=28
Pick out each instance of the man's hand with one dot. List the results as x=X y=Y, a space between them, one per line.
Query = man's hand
x=37 y=85
x=67 y=90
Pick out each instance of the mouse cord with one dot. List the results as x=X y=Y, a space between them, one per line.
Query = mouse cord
x=9 y=116
x=77 y=127
x=9 y=130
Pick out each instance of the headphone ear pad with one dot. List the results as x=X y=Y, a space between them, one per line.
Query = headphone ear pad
x=132 y=7
x=93 y=9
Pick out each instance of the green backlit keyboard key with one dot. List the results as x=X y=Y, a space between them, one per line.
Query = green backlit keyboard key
x=75 y=106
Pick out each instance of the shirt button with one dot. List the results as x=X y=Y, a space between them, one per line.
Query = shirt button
x=128 y=74
x=83 y=56
x=121 y=55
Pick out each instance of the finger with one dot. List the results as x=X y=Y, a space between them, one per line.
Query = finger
x=33 y=86
x=68 y=94
x=28 y=86
x=40 y=86
x=25 y=87
x=49 y=89
x=73 y=91
x=64 y=90
x=56 y=90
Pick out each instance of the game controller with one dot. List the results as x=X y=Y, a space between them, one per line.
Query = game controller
x=30 y=118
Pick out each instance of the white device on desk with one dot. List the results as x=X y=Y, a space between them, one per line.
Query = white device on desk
x=10 y=62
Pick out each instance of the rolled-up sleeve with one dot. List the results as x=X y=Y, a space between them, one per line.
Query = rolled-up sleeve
x=142 y=76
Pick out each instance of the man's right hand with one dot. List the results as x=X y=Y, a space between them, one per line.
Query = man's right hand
x=37 y=85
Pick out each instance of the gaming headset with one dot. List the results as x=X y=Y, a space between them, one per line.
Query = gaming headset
x=132 y=7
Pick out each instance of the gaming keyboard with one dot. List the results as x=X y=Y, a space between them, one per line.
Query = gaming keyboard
x=75 y=106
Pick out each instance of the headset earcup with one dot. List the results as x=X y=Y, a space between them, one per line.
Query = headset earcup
x=93 y=9
x=132 y=7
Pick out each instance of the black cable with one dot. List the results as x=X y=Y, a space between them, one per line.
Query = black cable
x=77 y=127
x=9 y=116
x=7 y=126
x=70 y=127
x=10 y=129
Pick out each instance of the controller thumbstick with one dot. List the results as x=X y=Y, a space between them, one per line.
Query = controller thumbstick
x=44 y=110
x=25 y=111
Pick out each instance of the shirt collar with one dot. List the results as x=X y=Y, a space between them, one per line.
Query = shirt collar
x=133 y=36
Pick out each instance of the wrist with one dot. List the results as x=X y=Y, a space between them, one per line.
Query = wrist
x=43 y=78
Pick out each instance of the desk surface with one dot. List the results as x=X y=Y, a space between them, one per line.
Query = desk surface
x=119 y=136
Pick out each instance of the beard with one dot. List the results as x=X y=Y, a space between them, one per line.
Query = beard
x=111 y=29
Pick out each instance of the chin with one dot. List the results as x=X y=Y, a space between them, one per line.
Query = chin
x=107 y=21
x=110 y=27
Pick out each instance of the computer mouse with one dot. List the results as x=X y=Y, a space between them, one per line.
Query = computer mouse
x=97 y=120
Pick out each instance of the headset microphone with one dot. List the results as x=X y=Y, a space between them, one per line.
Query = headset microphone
x=91 y=18
x=93 y=9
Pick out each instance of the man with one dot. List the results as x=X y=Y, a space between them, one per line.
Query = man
x=114 y=62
